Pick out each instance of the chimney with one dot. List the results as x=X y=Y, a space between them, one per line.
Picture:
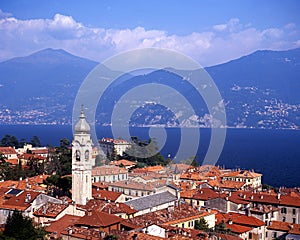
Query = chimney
x=278 y=196
x=134 y=237
x=102 y=234
x=89 y=212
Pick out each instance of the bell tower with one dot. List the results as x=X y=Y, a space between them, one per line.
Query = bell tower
x=82 y=162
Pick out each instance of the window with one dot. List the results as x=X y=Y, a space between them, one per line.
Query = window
x=250 y=235
x=266 y=234
x=77 y=155
x=182 y=225
x=294 y=220
x=283 y=210
x=283 y=219
x=86 y=155
x=294 y=211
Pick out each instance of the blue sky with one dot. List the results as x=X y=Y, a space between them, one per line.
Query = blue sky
x=211 y=32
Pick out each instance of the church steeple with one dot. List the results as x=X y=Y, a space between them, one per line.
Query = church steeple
x=82 y=162
x=82 y=126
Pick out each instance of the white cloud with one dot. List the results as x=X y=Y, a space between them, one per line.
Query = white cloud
x=4 y=14
x=221 y=43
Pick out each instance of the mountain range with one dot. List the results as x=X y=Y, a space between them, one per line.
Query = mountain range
x=260 y=90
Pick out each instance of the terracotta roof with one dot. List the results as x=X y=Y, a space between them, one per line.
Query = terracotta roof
x=270 y=199
x=192 y=176
x=238 y=229
x=40 y=151
x=123 y=162
x=100 y=185
x=200 y=194
x=105 y=194
x=98 y=219
x=139 y=235
x=242 y=174
x=228 y=237
x=29 y=156
x=50 y=210
x=177 y=232
x=77 y=232
x=181 y=213
x=12 y=161
x=21 y=202
x=239 y=219
x=61 y=224
x=111 y=207
x=130 y=184
x=149 y=169
x=285 y=227
x=7 y=150
x=108 y=170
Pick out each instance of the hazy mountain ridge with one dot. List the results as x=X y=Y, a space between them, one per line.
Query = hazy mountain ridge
x=260 y=90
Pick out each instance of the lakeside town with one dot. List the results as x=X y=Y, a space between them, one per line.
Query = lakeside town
x=117 y=198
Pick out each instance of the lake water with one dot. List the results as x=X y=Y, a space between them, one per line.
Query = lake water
x=274 y=153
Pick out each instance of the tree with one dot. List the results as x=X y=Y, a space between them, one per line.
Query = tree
x=35 y=141
x=20 y=227
x=9 y=141
x=202 y=225
x=144 y=151
x=221 y=228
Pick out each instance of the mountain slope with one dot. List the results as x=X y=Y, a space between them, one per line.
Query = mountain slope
x=260 y=90
x=46 y=80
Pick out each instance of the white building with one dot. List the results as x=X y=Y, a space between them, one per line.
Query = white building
x=108 y=145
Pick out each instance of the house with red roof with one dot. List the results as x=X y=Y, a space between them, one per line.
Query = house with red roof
x=10 y=154
x=250 y=179
x=198 y=197
x=246 y=227
x=278 y=229
x=25 y=201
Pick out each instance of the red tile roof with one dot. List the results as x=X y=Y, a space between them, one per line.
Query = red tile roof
x=98 y=219
x=100 y=185
x=20 y=202
x=239 y=219
x=285 y=227
x=181 y=213
x=270 y=199
x=123 y=162
x=7 y=150
x=29 y=156
x=108 y=170
x=242 y=174
x=199 y=194
x=105 y=194
x=51 y=210
x=61 y=224
x=111 y=207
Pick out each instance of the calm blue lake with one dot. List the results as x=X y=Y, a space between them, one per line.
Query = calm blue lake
x=274 y=153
